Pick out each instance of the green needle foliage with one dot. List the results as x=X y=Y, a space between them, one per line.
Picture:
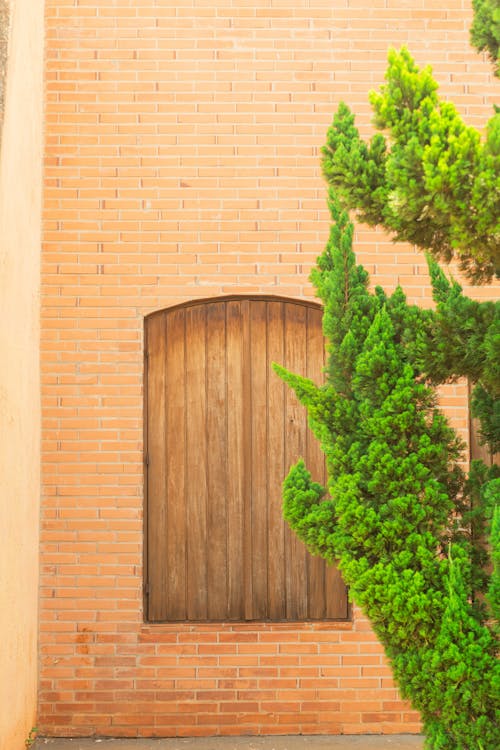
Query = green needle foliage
x=485 y=29
x=404 y=522
x=432 y=181
x=461 y=338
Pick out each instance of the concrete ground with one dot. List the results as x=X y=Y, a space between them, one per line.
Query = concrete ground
x=295 y=742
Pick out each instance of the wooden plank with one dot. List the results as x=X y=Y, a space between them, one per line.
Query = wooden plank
x=176 y=465
x=217 y=461
x=258 y=366
x=196 y=466
x=327 y=591
x=276 y=464
x=337 y=603
x=236 y=477
x=247 y=394
x=156 y=469
x=315 y=461
x=295 y=447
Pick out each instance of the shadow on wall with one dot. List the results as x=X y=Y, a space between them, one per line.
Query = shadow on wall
x=4 y=40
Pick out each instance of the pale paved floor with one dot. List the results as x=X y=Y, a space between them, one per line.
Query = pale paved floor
x=295 y=742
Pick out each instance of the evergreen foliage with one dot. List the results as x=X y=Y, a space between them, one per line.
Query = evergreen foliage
x=431 y=181
x=405 y=523
x=485 y=29
x=461 y=338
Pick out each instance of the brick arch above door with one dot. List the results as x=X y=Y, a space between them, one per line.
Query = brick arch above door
x=221 y=432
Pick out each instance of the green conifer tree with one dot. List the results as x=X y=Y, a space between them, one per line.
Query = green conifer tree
x=397 y=512
x=432 y=181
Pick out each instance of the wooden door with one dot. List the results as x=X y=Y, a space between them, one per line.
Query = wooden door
x=221 y=433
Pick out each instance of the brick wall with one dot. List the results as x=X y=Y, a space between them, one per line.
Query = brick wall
x=182 y=162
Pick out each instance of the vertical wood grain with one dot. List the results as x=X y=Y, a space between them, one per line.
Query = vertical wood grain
x=176 y=465
x=217 y=466
x=156 y=448
x=258 y=366
x=315 y=460
x=276 y=465
x=196 y=462
x=236 y=470
x=295 y=447
x=247 y=407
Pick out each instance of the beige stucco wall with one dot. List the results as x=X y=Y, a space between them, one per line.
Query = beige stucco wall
x=20 y=223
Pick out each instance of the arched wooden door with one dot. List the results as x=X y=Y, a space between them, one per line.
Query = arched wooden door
x=221 y=432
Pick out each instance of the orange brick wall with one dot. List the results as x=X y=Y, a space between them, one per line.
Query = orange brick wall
x=182 y=161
